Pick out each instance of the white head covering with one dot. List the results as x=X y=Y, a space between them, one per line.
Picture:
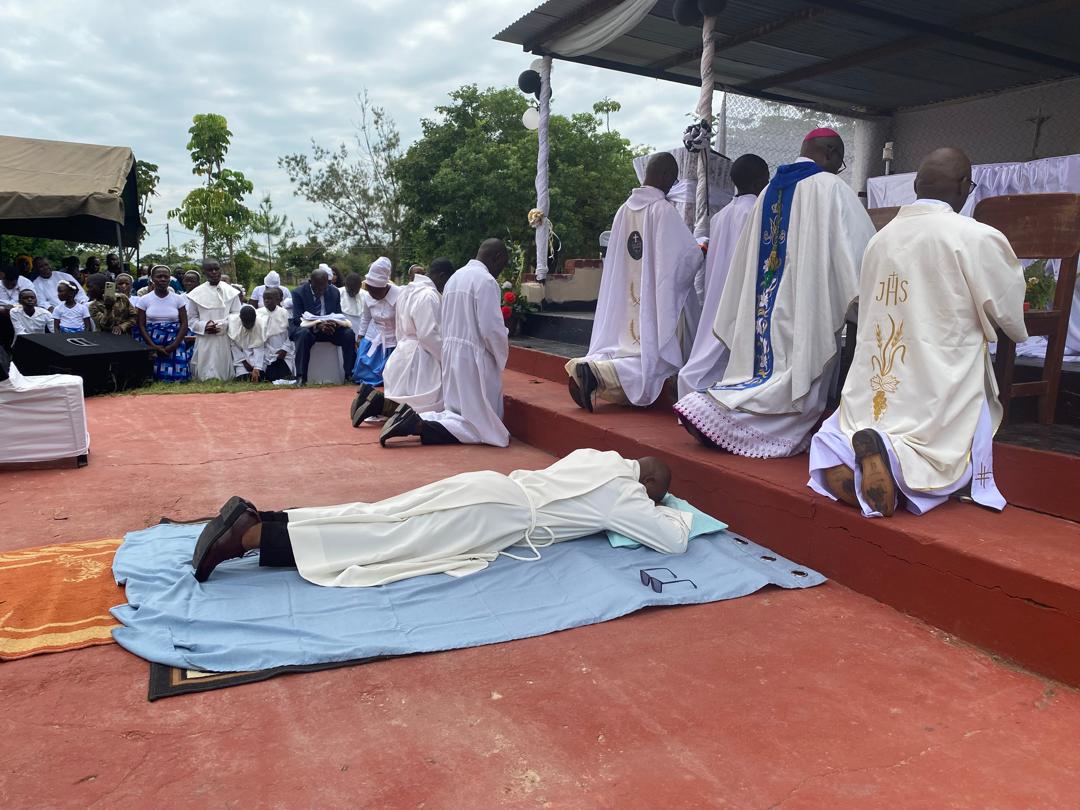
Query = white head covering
x=272 y=279
x=378 y=275
x=326 y=269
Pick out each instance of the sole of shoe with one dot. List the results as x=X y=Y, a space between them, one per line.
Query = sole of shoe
x=371 y=406
x=404 y=417
x=586 y=385
x=878 y=487
x=362 y=394
x=226 y=517
x=840 y=481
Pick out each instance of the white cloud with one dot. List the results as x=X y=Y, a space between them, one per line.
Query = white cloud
x=134 y=73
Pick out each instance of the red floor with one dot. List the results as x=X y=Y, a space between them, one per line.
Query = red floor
x=818 y=698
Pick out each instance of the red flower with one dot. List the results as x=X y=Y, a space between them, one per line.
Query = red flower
x=509 y=297
x=507 y=312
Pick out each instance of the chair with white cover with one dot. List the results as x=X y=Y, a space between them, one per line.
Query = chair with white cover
x=44 y=418
x=324 y=364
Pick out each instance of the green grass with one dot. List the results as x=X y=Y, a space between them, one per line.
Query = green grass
x=206 y=387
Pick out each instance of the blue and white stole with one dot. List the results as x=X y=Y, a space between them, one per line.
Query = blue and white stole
x=772 y=256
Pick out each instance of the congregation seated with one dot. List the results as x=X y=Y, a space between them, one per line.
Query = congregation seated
x=115 y=314
x=45 y=281
x=124 y=283
x=28 y=318
x=11 y=286
x=316 y=297
x=70 y=315
x=920 y=406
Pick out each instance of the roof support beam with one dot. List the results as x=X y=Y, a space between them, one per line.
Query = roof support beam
x=726 y=43
x=928 y=34
x=561 y=26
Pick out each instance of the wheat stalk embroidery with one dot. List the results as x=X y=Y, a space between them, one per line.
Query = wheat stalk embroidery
x=884 y=381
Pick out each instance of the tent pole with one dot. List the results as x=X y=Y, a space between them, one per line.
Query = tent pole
x=543 y=198
x=119 y=246
x=705 y=113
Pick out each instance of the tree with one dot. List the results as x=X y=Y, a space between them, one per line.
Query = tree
x=266 y=223
x=216 y=210
x=359 y=188
x=471 y=176
x=605 y=107
x=146 y=180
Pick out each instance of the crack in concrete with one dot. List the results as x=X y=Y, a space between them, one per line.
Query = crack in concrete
x=289 y=451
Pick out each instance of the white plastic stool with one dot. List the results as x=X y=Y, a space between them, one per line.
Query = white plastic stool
x=324 y=364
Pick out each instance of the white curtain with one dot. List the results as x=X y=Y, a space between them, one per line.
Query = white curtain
x=595 y=34
x=1045 y=176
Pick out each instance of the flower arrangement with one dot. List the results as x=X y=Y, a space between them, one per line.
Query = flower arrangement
x=1040 y=285
x=515 y=307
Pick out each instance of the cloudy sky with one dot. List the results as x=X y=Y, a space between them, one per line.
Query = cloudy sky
x=134 y=73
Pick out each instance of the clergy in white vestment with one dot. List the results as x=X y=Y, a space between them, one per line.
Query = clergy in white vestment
x=920 y=405
x=413 y=373
x=708 y=357
x=352 y=302
x=646 y=291
x=791 y=282
x=28 y=318
x=45 y=281
x=457 y=526
x=280 y=352
x=271 y=280
x=209 y=307
x=475 y=345
x=247 y=342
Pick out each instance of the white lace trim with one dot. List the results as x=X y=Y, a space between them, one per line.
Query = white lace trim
x=734 y=435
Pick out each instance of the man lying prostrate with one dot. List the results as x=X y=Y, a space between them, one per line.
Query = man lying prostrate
x=413 y=373
x=247 y=340
x=475 y=346
x=920 y=405
x=646 y=289
x=455 y=526
x=708 y=358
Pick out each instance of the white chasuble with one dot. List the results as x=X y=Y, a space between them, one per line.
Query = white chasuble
x=475 y=345
x=212 y=358
x=935 y=287
x=413 y=373
x=709 y=356
x=646 y=290
x=459 y=525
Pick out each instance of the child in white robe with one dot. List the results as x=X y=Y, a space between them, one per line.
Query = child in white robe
x=247 y=343
x=280 y=351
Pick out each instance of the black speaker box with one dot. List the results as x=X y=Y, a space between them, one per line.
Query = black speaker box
x=106 y=362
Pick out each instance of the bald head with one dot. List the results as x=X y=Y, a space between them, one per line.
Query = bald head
x=827 y=152
x=662 y=171
x=656 y=477
x=944 y=174
x=494 y=256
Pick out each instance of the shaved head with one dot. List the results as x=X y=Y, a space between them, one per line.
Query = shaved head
x=750 y=174
x=662 y=171
x=494 y=255
x=945 y=174
x=656 y=477
x=827 y=152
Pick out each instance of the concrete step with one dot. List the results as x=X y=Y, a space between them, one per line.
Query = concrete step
x=564 y=327
x=1007 y=582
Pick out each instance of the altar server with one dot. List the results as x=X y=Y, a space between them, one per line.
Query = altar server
x=646 y=287
x=475 y=346
x=791 y=282
x=247 y=342
x=457 y=526
x=920 y=406
x=378 y=329
x=708 y=358
x=280 y=352
x=413 y=374
x=209 y=307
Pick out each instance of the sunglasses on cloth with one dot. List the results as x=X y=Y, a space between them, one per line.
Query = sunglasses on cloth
x=649 y=581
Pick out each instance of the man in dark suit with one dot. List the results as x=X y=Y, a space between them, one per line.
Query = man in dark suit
x=319 y=298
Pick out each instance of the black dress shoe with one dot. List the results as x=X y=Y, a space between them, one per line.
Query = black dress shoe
x=222 y=538
x=404 y=422
x=362 y=393
x=372 y=406
x=878 y=486
x=586 y=385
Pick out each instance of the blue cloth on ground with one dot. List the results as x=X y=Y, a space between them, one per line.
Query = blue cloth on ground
x=370 y=369
x=702 y=523
x=247 y=618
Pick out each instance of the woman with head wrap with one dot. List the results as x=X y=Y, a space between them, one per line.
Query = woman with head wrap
x=271 y=279
x=377 y=323
x=163 y=326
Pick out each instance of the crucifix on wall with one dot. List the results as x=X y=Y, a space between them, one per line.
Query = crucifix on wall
x=1038 y=120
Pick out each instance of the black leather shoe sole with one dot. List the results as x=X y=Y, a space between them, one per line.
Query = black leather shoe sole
x=878 y=487
x=218 y=526
x=372 y=406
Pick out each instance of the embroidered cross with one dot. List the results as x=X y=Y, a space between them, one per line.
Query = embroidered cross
x=985 y=475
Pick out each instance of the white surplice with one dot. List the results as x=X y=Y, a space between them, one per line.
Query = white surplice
x=459 y=525
x=935 y=286
x=212 y=358
x=646 y=289
x=413 y=373
x=475 y=345
x=352 y=307
x=773 y=416
x=709 y=356
x=247 y=344
x=276 y=330
x=46 y=289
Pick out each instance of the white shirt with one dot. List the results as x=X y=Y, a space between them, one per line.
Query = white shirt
x=46 y=289
x=37 y=324
x=11 y=297
x=161 y=309
x=72 y=317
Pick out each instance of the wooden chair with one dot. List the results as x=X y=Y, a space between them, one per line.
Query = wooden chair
x=1038 y=226
x=882 y=216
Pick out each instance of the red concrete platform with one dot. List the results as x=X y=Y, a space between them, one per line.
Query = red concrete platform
x=1009 y=582
x=802 y=699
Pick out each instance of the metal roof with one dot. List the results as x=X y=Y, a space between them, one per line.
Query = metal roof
x=853 y=57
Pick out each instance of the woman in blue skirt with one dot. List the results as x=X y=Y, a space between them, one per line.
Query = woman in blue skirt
x=163 y=325
x=377 y=323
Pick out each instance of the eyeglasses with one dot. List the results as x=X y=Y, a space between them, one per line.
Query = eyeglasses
x=974 y=186
x=843 y=166
x=649 y=581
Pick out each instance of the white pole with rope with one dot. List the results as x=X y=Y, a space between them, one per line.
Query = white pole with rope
x=543 y=201
x=704 y=113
